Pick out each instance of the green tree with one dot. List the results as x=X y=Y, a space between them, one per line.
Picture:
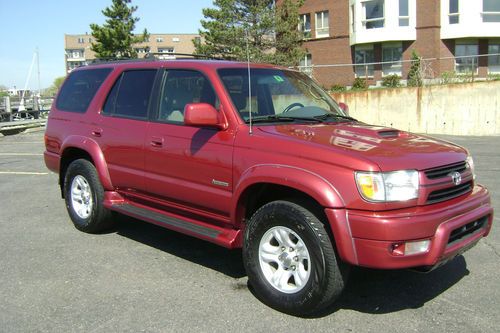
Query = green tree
x=269 y=32
x=52 y=90
x=415 y=73
x=3 y=91
x=289 y=39
x=114 y=39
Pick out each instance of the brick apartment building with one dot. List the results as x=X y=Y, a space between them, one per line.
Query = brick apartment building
x=78 y=47
x=451 y=32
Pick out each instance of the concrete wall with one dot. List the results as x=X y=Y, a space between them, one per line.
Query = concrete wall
x=456 y=109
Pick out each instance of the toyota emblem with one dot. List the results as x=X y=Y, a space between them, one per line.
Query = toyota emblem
x=456 y=178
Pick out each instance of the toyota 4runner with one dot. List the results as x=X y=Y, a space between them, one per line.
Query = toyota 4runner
x=260 y=158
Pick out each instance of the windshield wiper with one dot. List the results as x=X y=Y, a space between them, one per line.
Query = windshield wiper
x=277 y=118
x=325 y=116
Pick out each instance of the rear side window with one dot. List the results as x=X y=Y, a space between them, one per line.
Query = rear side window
x=80 y=88
x=130 y=94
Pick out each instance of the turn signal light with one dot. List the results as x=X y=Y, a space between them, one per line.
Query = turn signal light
x=410 y=248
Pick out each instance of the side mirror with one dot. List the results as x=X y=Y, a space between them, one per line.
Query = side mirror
x=201 y=115
x=344 y=108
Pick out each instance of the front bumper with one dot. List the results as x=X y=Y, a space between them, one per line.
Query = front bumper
x=366 y=238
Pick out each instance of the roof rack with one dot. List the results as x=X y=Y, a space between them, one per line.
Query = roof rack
x=114 y=60
x=151 y=56
x=159 y=55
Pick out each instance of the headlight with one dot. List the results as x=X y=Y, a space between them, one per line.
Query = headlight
x=470 y=165
x=388 y=186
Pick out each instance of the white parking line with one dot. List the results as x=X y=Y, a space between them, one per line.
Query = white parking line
x=20 y=154
x=15 y=143
x=23 y=173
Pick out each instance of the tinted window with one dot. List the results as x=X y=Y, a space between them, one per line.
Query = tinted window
x=181 y=87
x=130 y=94
x=79 y=89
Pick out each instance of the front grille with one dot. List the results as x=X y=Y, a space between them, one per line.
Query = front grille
x=460 y=233
x=444 y=171
x=448 y=193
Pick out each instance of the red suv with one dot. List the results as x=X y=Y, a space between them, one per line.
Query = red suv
x=261 y=158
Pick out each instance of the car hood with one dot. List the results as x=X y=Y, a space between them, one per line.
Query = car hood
x=389 y=148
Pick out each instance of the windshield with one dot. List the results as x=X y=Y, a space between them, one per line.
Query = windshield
x=278 y=94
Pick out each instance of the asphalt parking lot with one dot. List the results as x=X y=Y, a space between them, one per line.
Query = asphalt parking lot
x=140 y=277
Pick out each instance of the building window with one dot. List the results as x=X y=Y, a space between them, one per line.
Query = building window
x=81 y=40
x=168 y=53
x=305 y=25
x=466 y=57
x=404 y=16
x=159 y=39
x=454 y=14
x=322 y=27
x=176 y=39
x=392 y=54
x=491 y=11
x=90 y=40
x=373 y=11
x=494 y=58
x=364 y=58
x=305 y=64
x=197 y=41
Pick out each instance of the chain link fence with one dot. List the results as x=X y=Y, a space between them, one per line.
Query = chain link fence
x=414 y=72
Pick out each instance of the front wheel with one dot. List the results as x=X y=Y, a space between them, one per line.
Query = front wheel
x=84 y=196
x=290 y=260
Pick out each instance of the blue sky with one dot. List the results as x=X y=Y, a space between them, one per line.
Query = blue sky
x=27 y=24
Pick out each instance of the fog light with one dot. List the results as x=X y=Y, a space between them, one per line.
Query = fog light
x=409 y=248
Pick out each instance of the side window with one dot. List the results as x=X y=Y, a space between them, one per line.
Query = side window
x=181 y=87
x=79 y=89
x=130 y=94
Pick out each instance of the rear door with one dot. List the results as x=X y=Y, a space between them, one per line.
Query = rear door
x=122 y=127
x=189 y=168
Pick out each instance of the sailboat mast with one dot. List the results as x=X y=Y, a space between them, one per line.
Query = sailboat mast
x=38 y=70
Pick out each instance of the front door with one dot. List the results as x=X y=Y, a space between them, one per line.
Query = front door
x=188 y=167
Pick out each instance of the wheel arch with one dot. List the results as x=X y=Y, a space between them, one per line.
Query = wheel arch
x=264 y=183
x=76 y=147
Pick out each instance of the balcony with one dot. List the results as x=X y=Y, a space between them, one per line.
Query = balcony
x=473 y=20
x=374 y=21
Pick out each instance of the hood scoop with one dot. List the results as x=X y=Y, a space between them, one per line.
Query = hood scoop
x=389 y=133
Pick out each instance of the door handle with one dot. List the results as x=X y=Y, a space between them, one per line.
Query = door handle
x=157 y=142
x=97 y=132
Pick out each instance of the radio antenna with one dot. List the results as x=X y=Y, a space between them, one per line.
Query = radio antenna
x=249 y=84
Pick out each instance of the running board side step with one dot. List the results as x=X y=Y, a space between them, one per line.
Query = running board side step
x=228 y=238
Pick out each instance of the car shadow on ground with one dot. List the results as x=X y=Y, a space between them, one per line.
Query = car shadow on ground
x=368 y=290
x=201 y=252
x=385 y=291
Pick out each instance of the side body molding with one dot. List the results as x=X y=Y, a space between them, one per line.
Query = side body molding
x=95 y=152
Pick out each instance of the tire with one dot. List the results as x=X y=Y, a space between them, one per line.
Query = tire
x=284 y=239
x=84 y=196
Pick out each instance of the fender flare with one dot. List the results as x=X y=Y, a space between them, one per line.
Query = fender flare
x=92 y=148
x=306 y=181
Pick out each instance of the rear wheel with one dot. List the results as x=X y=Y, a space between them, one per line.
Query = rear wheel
x=84 y=196
x=290 y=260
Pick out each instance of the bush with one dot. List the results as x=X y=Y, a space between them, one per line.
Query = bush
x=493 y=77
x=338 y=88
x=448 y=77
x=391 y=81
x=359 y=84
